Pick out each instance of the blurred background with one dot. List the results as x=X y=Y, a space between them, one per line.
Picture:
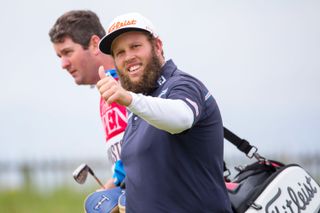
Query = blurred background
x=260 y=60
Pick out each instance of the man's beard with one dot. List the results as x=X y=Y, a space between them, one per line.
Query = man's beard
x=148 y=81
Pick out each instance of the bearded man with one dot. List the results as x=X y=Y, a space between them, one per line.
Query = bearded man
x=172 y=150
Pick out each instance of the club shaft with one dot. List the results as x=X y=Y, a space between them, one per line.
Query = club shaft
x=99 y=182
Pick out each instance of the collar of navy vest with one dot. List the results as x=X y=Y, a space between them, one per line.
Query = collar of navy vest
x=166 y=71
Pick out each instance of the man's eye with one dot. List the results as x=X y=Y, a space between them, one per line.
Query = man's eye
x=136 y=45
x=119 y=53
x=67 y=53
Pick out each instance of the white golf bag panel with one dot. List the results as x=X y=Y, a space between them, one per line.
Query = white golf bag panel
x=290 y=190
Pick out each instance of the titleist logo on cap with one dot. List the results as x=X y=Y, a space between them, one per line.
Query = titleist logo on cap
x=120 y=24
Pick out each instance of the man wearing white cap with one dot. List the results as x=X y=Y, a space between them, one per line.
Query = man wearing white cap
x=172 y=149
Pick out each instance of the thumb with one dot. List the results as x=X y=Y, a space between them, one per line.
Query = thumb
x=102 y=74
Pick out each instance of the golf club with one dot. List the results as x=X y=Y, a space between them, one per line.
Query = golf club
x=81 y=173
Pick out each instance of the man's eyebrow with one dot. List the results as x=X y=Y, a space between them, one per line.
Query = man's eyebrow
x=64 y=51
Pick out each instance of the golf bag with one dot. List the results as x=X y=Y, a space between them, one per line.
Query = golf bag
x=270 y=186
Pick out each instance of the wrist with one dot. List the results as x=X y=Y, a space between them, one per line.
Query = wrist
x=133 y=97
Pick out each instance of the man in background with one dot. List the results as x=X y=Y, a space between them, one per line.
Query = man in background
x=75 y=37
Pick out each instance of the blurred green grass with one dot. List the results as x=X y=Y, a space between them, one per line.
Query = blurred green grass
x=60 y=200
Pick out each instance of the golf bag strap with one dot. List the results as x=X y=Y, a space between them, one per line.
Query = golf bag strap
x=243 y=145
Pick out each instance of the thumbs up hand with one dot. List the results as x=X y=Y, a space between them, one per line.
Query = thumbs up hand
x=102 y=73
x=111 y=90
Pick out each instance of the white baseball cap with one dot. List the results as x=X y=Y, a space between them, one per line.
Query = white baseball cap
x=122 y=24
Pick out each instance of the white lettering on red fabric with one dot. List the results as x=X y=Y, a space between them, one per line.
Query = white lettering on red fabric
x=114 y=116
x=114 y=119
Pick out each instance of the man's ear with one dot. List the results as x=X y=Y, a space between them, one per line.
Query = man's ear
x=94 y=44
x=159 y=46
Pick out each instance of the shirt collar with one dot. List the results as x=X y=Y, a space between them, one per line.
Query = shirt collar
x=167 y=71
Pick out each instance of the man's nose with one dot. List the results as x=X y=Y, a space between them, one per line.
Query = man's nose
x=65 y=63
x=129 y=57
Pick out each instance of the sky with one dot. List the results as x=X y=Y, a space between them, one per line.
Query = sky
x=260 y=60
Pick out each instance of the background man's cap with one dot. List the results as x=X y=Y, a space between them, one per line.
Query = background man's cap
x=122 y=24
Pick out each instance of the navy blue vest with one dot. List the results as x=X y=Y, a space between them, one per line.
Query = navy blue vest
x=176 y=172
